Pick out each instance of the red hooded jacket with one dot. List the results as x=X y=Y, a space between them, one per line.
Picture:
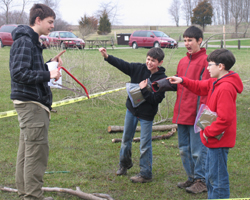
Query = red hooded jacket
x=221 y=98
x=187 y=104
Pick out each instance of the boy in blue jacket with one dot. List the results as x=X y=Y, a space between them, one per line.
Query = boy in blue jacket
x=145 y=112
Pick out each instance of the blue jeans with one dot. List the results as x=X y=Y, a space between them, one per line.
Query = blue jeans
x=145 y=144
x=217 y=178
x=193 y=152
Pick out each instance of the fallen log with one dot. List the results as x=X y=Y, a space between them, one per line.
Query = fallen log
x=157 y=137
x=113 y=129
x=77 y=192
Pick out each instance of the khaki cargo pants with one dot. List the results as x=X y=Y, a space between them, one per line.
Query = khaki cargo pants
x=33 y=151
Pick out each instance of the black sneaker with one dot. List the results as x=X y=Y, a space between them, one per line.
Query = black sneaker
x=123 y=170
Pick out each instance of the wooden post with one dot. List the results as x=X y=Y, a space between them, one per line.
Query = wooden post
x=238 y=44
x=221 y=44
x=224 y=36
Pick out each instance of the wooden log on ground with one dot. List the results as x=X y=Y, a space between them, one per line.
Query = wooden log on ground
x=77 y=192
x=157 y=137
x=113 y=129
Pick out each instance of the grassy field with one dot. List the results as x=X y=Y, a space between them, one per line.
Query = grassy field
x=81 y=145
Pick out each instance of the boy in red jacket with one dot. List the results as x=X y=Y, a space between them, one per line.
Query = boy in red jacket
x=221 y=91
x=192 y=151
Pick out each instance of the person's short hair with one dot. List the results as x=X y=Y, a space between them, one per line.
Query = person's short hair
x=156 y=53
x=193 y=32
x=40 y=10
x=222 y=56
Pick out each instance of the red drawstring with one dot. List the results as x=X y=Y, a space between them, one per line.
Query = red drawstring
x=75 y=80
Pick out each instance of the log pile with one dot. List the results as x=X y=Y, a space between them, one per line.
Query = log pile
x=158 y=137
x=113 y=129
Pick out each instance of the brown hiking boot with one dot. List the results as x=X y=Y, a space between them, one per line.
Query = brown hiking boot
x=184 y=184
x=197 y=187
x=139 y=179
x=123 y=170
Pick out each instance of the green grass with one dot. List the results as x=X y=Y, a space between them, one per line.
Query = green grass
x=79 y=141
x=243 y=42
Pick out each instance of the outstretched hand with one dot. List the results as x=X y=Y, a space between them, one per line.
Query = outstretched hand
x=104 y=52
x=174 y=79
x=58 y=59
x=143 y=84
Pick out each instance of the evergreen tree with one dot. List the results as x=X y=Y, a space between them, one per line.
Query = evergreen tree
x=202 y=14
x=104 y=24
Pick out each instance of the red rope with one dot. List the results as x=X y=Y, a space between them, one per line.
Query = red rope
x=75 y=80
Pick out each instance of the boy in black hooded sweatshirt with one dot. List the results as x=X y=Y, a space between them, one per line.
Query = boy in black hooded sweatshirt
x=140 y=74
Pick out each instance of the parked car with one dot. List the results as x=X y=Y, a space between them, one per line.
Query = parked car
x=6 y=38
x=151 y=38
x=65 y=39
x=5 y=34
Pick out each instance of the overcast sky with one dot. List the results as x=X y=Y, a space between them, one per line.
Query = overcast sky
x=131 y=12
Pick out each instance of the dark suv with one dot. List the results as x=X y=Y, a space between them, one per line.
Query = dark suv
x=151 y=38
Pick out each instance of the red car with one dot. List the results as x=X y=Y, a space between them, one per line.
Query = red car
x=5 y=34
x=6 y=38
x=65 y=39
x=150 y=38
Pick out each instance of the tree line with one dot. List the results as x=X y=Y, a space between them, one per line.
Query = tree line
x=13 y=12
x=101 y=22
x=217 y=12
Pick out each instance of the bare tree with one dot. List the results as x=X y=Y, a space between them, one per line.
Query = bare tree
x=246 y=7
x=237 y=12
x=246 y=13
x=226 y=10
x=53 y=4
x=17 y=17
x=174 y=10
x=6 y=6
x=22 y=17
x=61 y=25
x=112 y=11
x=187 y=10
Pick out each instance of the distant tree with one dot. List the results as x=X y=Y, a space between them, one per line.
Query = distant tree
x=87 y=25
x=174 y=10
x=104 y=24
x=53 y=4
x=202 y=14
x=6 y=6
x=187 y=6
x=111 y=9
x=60 y=25
x=237 y=12
x=18 y=17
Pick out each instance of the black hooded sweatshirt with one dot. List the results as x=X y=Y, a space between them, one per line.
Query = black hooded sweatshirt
x=29 y=74
x=139 y=72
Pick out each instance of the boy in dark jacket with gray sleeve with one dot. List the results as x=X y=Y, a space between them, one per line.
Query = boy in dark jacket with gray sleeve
x=140 y=74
